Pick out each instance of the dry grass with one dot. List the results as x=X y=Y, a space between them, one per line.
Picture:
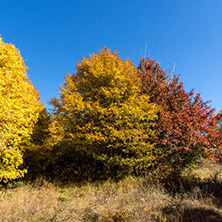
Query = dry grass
x=132 y=199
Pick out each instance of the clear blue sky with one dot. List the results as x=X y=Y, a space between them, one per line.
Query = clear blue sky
x=53 y=35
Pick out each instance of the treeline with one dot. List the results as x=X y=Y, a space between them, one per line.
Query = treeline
x=112 y=119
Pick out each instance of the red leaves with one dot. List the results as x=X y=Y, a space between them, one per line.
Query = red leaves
x=186 y=122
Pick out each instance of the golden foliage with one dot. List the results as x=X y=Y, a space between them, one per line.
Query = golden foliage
x=103 y=113
x=19 y=106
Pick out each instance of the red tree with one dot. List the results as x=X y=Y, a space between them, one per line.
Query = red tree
x=188 y=126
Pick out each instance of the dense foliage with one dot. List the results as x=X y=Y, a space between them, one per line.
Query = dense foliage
x=103 y=114
x=19 y=106
x=112 y=118
x=37 y=152
x=188 y=126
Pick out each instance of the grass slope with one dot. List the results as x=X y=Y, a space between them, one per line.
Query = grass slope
x=194 y=197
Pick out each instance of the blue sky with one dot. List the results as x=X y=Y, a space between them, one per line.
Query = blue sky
x=53 y=35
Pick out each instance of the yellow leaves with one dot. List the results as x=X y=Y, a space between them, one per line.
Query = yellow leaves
x=19 y=107
x=11 y=159
x=102 y=111
x=106 y=77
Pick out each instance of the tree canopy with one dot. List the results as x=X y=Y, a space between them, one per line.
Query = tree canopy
x=111 y=118
x=19 y=105
x=103 y=113
x=188 y=126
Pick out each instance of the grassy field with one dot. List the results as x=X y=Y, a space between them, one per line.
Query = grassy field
x=194 y=197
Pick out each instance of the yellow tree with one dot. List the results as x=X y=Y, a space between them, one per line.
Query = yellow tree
x=103 y=115
x=19 y=108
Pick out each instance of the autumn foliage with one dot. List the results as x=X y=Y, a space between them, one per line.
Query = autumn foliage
x=19 y=105
x=103 y=114
x=112 y=118
x=187 y=124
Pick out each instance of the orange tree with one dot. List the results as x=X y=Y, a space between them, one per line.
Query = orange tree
x=19 y=105
x=104 y=118
x=188 y=126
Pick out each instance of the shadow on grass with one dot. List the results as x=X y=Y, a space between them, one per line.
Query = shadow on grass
x=201 y=215
x=191 y=215
x=213 y=188
x=197 y=188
